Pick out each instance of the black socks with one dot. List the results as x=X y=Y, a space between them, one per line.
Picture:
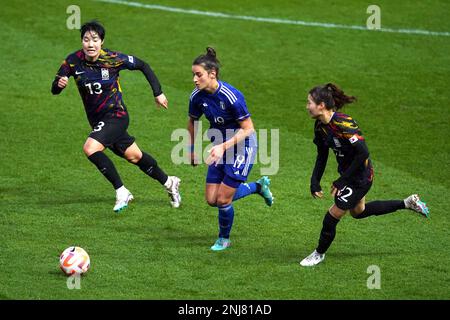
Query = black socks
x=107 y=168
x=327 y=233
x=150 y=167
x=378 y=208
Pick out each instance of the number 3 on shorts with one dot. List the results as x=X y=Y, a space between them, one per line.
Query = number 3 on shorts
x=343 y=197
x=99 y=126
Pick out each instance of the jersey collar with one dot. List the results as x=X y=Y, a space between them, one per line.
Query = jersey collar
x=218 y=88
x=331 y=118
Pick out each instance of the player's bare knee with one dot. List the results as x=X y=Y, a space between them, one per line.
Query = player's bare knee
x=211 y=202
x=91 y=146
x=89 y=150
x=133 y=155
x=211 y=199
x=354 y=214
x=133 y=158
x=336 y=212
x=223 y=201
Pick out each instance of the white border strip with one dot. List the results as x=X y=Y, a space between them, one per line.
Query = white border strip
x=271 y=20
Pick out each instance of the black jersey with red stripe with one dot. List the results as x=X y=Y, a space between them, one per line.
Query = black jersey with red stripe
x=98 y=82
x=341 y=134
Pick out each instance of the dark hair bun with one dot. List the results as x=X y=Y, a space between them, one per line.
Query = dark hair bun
x=210 y=52
x=209 y=61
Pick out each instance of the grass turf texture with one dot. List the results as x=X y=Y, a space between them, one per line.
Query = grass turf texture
x=52 y=197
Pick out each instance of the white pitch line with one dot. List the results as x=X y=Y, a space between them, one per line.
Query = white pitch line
x=271 y=20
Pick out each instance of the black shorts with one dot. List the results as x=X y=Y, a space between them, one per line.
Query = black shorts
x=348 y=197
x=112 y=133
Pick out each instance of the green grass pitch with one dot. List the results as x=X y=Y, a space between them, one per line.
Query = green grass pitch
x=52 y=197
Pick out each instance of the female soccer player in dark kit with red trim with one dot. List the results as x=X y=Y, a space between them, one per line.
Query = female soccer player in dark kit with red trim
x=96 y=73
x=339 y=132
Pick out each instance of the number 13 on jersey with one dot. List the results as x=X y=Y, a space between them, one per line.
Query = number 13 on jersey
x=97 y=87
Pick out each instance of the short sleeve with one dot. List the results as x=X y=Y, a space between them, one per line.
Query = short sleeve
x=239 y=109
x=195 y=111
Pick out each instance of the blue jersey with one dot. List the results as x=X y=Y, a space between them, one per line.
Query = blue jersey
x=224 y=109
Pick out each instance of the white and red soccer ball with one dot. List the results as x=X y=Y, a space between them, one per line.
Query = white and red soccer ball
x=74 y=260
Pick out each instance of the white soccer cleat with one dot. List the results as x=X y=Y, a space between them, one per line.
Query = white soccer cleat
x=313 y=259
x=122 y=199
x=414 y=203
x=173 y=190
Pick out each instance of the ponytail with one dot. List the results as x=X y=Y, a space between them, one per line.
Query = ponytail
x=209 y=61
x=331 y=95
x=210 y=52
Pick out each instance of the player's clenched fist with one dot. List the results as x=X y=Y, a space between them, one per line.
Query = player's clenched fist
x=62 y=82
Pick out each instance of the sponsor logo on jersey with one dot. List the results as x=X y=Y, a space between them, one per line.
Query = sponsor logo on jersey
x=337 y=143
x=222 y=105
x=131 y=59
x=105 y=74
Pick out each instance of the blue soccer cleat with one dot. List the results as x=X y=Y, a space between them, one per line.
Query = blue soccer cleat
x=414 y=203
x=221 y=244
x=264 y=182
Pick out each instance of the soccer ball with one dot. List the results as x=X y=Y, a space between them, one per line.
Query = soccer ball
x=74 y=260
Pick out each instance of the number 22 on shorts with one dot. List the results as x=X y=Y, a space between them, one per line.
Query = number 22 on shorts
x=343 y=197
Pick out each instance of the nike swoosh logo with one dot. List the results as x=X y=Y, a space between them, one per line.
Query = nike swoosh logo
x=77 y=73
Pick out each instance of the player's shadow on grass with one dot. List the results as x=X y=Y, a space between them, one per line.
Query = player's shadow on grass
x=57 y=273
x=77 y=199
x=162 y=202
x=179 y=238
x=355 y=254
x=271 y=254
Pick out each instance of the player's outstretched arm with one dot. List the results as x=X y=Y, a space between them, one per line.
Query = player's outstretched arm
x=160 y=98
x=161 y=101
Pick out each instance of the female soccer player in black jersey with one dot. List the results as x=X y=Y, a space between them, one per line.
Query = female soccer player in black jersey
x=96 y=74
x=339 y=132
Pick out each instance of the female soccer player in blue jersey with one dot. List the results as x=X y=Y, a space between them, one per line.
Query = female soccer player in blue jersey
x=96 y=73
x=339 y=132
x=233 y=136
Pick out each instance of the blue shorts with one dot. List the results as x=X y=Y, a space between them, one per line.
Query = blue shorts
x=234 y=168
